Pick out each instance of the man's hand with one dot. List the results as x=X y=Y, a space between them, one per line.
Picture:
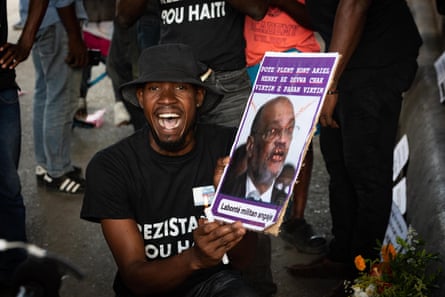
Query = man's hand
x=327 y=111
x=219 y=170
x=213 y=240
x=12 y=54
x=77 y=51
x=77 y=54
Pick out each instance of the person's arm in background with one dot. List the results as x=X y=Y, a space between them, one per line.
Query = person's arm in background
x=77 y=51
x=129 y=11
x=16 y=53
x=295 y=10
x=256 y=9
x=350 y=19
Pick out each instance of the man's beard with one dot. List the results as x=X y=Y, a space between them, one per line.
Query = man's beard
x=263 y=176
x=172 y=146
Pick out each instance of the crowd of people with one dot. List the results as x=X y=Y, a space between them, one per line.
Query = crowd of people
x=182 y=72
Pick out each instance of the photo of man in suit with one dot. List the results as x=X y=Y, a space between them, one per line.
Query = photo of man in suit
x=264 y=154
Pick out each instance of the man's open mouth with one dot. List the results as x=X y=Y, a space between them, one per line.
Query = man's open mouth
x=277 y=156
x=169 y=120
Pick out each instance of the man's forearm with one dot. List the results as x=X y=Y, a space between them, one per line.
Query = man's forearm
x=129 y=11
x=295 y=10
x=77 y=51
x=256 y=9
x=36 y=12
x=69 y=20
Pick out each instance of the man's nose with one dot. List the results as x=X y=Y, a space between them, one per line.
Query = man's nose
x=283 y=136
x=167 y=96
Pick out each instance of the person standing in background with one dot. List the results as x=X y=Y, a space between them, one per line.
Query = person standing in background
x=286 y=28
x=214 y=29
x=379 y=43
x=12 y=208
x=127 y=42
x=97 y=32
x=59 y=54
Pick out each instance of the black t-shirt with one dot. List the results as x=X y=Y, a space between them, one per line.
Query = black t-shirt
x=390 y=33
x=214 y=30
x=131 y=181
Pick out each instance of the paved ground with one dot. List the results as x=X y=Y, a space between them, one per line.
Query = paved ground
x=53 y=219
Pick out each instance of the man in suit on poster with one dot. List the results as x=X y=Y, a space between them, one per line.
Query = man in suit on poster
x=265 y=153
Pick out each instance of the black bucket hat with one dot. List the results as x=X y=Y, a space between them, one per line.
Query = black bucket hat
x=171 y=63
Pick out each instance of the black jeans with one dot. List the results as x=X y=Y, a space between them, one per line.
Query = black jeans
x=226 y=283
x=121 y=67
x=359 y=159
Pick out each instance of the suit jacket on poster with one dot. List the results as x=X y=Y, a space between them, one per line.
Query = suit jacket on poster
x=236 y=186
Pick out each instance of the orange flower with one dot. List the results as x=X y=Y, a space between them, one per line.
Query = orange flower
x=388 y=252
x=360 y=263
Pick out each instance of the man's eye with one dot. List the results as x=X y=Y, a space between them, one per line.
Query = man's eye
x=181 y=87
x=290 y=130
x=273 y=131
x=152 y=88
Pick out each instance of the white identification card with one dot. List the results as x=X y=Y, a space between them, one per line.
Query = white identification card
x=203 y=196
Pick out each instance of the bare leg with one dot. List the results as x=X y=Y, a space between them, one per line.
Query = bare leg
x=301 y=188
x=296 y=230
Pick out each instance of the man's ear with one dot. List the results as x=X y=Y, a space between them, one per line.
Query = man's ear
x=249 y=146
x=200 y=94
x=140 y=96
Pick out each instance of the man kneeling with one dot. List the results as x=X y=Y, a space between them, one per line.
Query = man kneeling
x=141 y=188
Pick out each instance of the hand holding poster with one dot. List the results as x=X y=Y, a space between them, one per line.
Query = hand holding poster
x=276 y=129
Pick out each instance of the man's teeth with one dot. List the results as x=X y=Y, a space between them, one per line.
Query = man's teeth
x=169 y=120
x=169 y=115
x=277 y=156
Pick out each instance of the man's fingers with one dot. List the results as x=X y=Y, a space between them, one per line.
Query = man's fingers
x=322 y=121
x=219 y=169
x=327 y=121
x=334 y=124
x=76 y=61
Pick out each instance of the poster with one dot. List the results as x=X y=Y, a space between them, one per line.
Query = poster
x=400 y=157
x=439 y=65
x=277 y=126
x=397 y=227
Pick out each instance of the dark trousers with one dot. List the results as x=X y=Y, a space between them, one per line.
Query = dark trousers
x=121 y=64
x=258 y=274
x=12 y=209
x=225 y=283
x=359 y=159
